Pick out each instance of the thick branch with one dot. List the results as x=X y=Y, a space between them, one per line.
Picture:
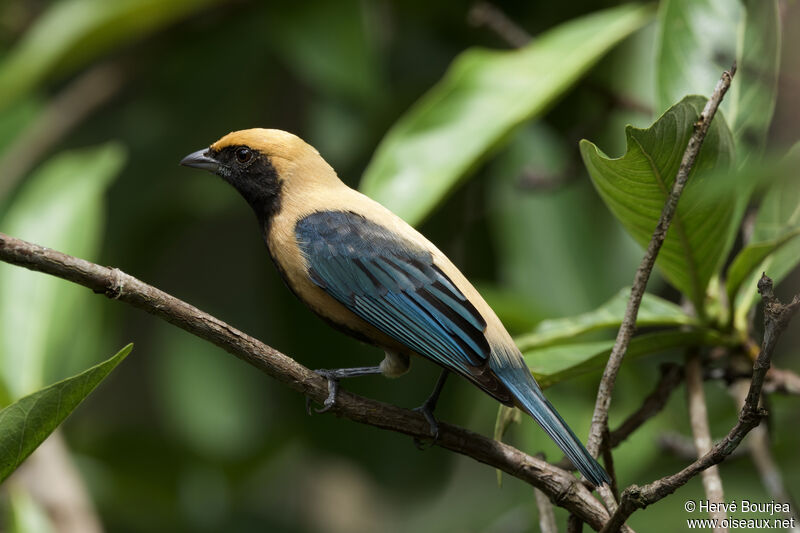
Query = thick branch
x=560 y=486
x=600 y=415
x=776 y=318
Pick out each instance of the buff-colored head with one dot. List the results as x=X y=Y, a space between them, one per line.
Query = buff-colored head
x=273 y=143
x=262 y=164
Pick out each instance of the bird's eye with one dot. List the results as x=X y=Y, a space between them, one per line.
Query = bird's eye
x=243 y=154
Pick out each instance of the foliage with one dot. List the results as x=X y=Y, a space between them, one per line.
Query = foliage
x=482 y=98
x=635 y=188
x=476 y=144
x=27 y=422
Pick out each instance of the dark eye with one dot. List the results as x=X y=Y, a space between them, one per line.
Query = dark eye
x=243 y=154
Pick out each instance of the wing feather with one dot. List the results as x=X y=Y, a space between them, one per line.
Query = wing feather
x=394 y=286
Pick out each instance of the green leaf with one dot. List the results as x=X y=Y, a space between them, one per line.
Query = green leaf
x=73 y=32
x=514 y=311
x=748 y=260
x=552 y=364
x=698 y=39
x=505 y=417
x=653 y=311
x=587 y=251
x=60 y=206
x=27 y=422
x=755 y=86
x=694 y=44
x=778 y=215
x=636 y=186
x=483 y=96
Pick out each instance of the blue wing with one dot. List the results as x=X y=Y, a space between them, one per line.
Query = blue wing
x=394 y=286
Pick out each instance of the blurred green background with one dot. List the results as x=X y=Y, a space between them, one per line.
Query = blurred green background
x=98 y=103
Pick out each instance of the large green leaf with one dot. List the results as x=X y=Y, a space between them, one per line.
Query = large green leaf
x=484 y=95
x=552 y=364
x=698 y=39
x=73 y=32
x=653 y=311
x=778 y=218
x=60 y=206
x=636 y=186
x=26 y=423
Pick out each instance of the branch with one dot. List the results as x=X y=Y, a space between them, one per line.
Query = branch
x=491 y=16
x=782 y=380
x=600 y=415
x=547 y=517
x=758 y=444
x=671 y=376
x=776 y=318
x=560 y=486
x=698 y=419
x=682 y=447
x=53 y=481
x=73 y=104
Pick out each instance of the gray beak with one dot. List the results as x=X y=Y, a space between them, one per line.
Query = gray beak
x=201 y=159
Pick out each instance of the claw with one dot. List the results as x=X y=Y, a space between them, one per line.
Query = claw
x=333 y=390
x=427 y=412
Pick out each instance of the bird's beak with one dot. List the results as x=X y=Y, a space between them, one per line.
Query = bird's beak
x=201 y=159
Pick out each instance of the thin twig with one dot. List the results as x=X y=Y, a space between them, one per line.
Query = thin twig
x=574 y=524
x=491 y=16
x=547 y=516
x=677 y=445
x=776 y=318
x=68 y=108
x=682 y=447
x=782 y=380
x=560 y=486
x=50 y=476
x=698 y=420
x=671 y=377
x=758 y=444
x=608 y=462
x=600 y=415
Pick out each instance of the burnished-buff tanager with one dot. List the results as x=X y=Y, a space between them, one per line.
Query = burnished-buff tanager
x=370 y=274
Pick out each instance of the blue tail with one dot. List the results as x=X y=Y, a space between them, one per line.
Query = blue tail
x=527 y=392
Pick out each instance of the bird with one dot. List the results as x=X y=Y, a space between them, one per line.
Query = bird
x=371 y=275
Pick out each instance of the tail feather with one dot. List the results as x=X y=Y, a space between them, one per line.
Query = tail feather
x=522 y=385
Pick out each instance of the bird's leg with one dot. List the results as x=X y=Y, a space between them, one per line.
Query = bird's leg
x=333 y=376
x=428 y=407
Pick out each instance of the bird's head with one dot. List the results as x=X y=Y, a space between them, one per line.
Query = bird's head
x=261 y=164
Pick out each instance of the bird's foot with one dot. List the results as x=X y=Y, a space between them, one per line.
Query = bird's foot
x=333 y=376
x=427 y=411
